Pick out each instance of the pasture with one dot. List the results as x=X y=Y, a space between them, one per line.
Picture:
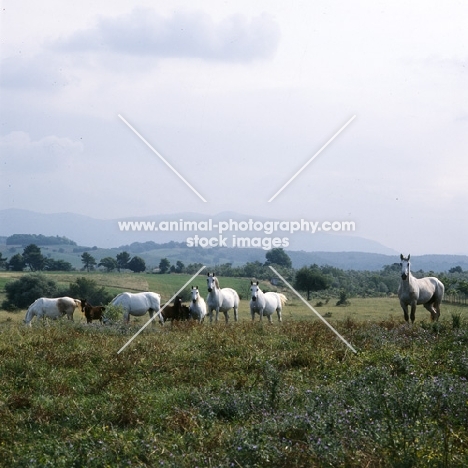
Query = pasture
x=243 y=394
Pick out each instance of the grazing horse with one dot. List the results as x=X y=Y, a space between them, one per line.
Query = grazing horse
x=138 y=304
x=176 y=311
x=92 y=312
x=197 y=305
x=221 y=299
x=428 y=291
x=265 y=303
x=52 y=308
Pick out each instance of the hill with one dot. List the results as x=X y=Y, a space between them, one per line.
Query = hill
x=107 y=234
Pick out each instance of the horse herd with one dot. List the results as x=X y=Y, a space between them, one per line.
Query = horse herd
x=412 y=291
x=138 y=304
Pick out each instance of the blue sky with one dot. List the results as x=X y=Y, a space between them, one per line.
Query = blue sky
x=237 y=96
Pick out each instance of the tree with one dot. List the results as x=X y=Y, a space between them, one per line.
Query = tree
x=164 y=265
x=85 y=288
x=88 y=261
x=3 y=261
x=16 y=263
x=109 y=263
x=457 y=269
x=180 y=267
x=278 y=256
x=57 y=265
x=24 y=291
x=33 y=257
x=136 y=264
x=310 y=279
x=122 y=260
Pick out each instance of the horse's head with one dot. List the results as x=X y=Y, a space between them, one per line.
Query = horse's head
x=194 y=294
x=211 y=281
x=83 y=305
x=254 y=289
x=405 y=267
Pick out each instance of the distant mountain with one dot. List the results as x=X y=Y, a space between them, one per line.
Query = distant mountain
x=106 y=233
x=341 y=251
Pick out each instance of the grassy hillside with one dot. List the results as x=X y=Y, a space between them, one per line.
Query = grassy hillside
x=246 y=394
x=239 y=395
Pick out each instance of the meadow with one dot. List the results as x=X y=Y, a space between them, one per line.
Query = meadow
x=243 y=394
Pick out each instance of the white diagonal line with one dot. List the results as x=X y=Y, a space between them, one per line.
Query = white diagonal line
x=161 y=158
x=313 y=310
x=160 y=310
x=312 y=158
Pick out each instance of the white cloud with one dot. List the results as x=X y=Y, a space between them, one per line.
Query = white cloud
x=143 y=32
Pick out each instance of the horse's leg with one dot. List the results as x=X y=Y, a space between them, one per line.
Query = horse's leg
x=405 y=311
x=413 y=311
x=236 y=314
x=429 y=307
x=151 y=314
x=226 y=316
x=278 y=311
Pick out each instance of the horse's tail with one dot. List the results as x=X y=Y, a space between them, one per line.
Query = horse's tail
x=116 y=297
x=440 y=291
x=282 y=298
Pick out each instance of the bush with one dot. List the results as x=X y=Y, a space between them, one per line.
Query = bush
x=23 y=292
x=84 y=288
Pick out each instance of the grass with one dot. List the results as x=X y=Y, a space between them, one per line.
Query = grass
x=246 y=394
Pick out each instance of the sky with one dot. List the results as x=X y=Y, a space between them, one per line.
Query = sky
x=237 y=96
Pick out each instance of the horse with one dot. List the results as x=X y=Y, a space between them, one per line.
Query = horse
x=52 y=308
x=197 y=305
x=221 y=299
x=265 y=303
x=92 y=312
x=138 y=304
x=412 y=291
x=176 y=311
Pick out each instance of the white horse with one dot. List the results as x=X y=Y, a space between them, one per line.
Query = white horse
x=428 y=291
x=52 y=308
x=197 y=306
x=138 y=304
x=221 y=299
x=265 y=303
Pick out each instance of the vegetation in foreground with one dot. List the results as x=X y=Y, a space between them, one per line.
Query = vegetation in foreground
x=247 y=395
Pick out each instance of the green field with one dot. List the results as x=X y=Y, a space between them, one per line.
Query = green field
x=246 y=394
x=359 y=308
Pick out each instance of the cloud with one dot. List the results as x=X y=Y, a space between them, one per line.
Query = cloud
x=143 y=32
x=20 y=154
x=38 y=72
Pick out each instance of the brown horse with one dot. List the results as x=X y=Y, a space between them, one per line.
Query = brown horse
x=177 y=311
x=92 y=312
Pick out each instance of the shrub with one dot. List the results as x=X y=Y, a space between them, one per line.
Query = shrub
x=85 y=288
x=24 y=291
